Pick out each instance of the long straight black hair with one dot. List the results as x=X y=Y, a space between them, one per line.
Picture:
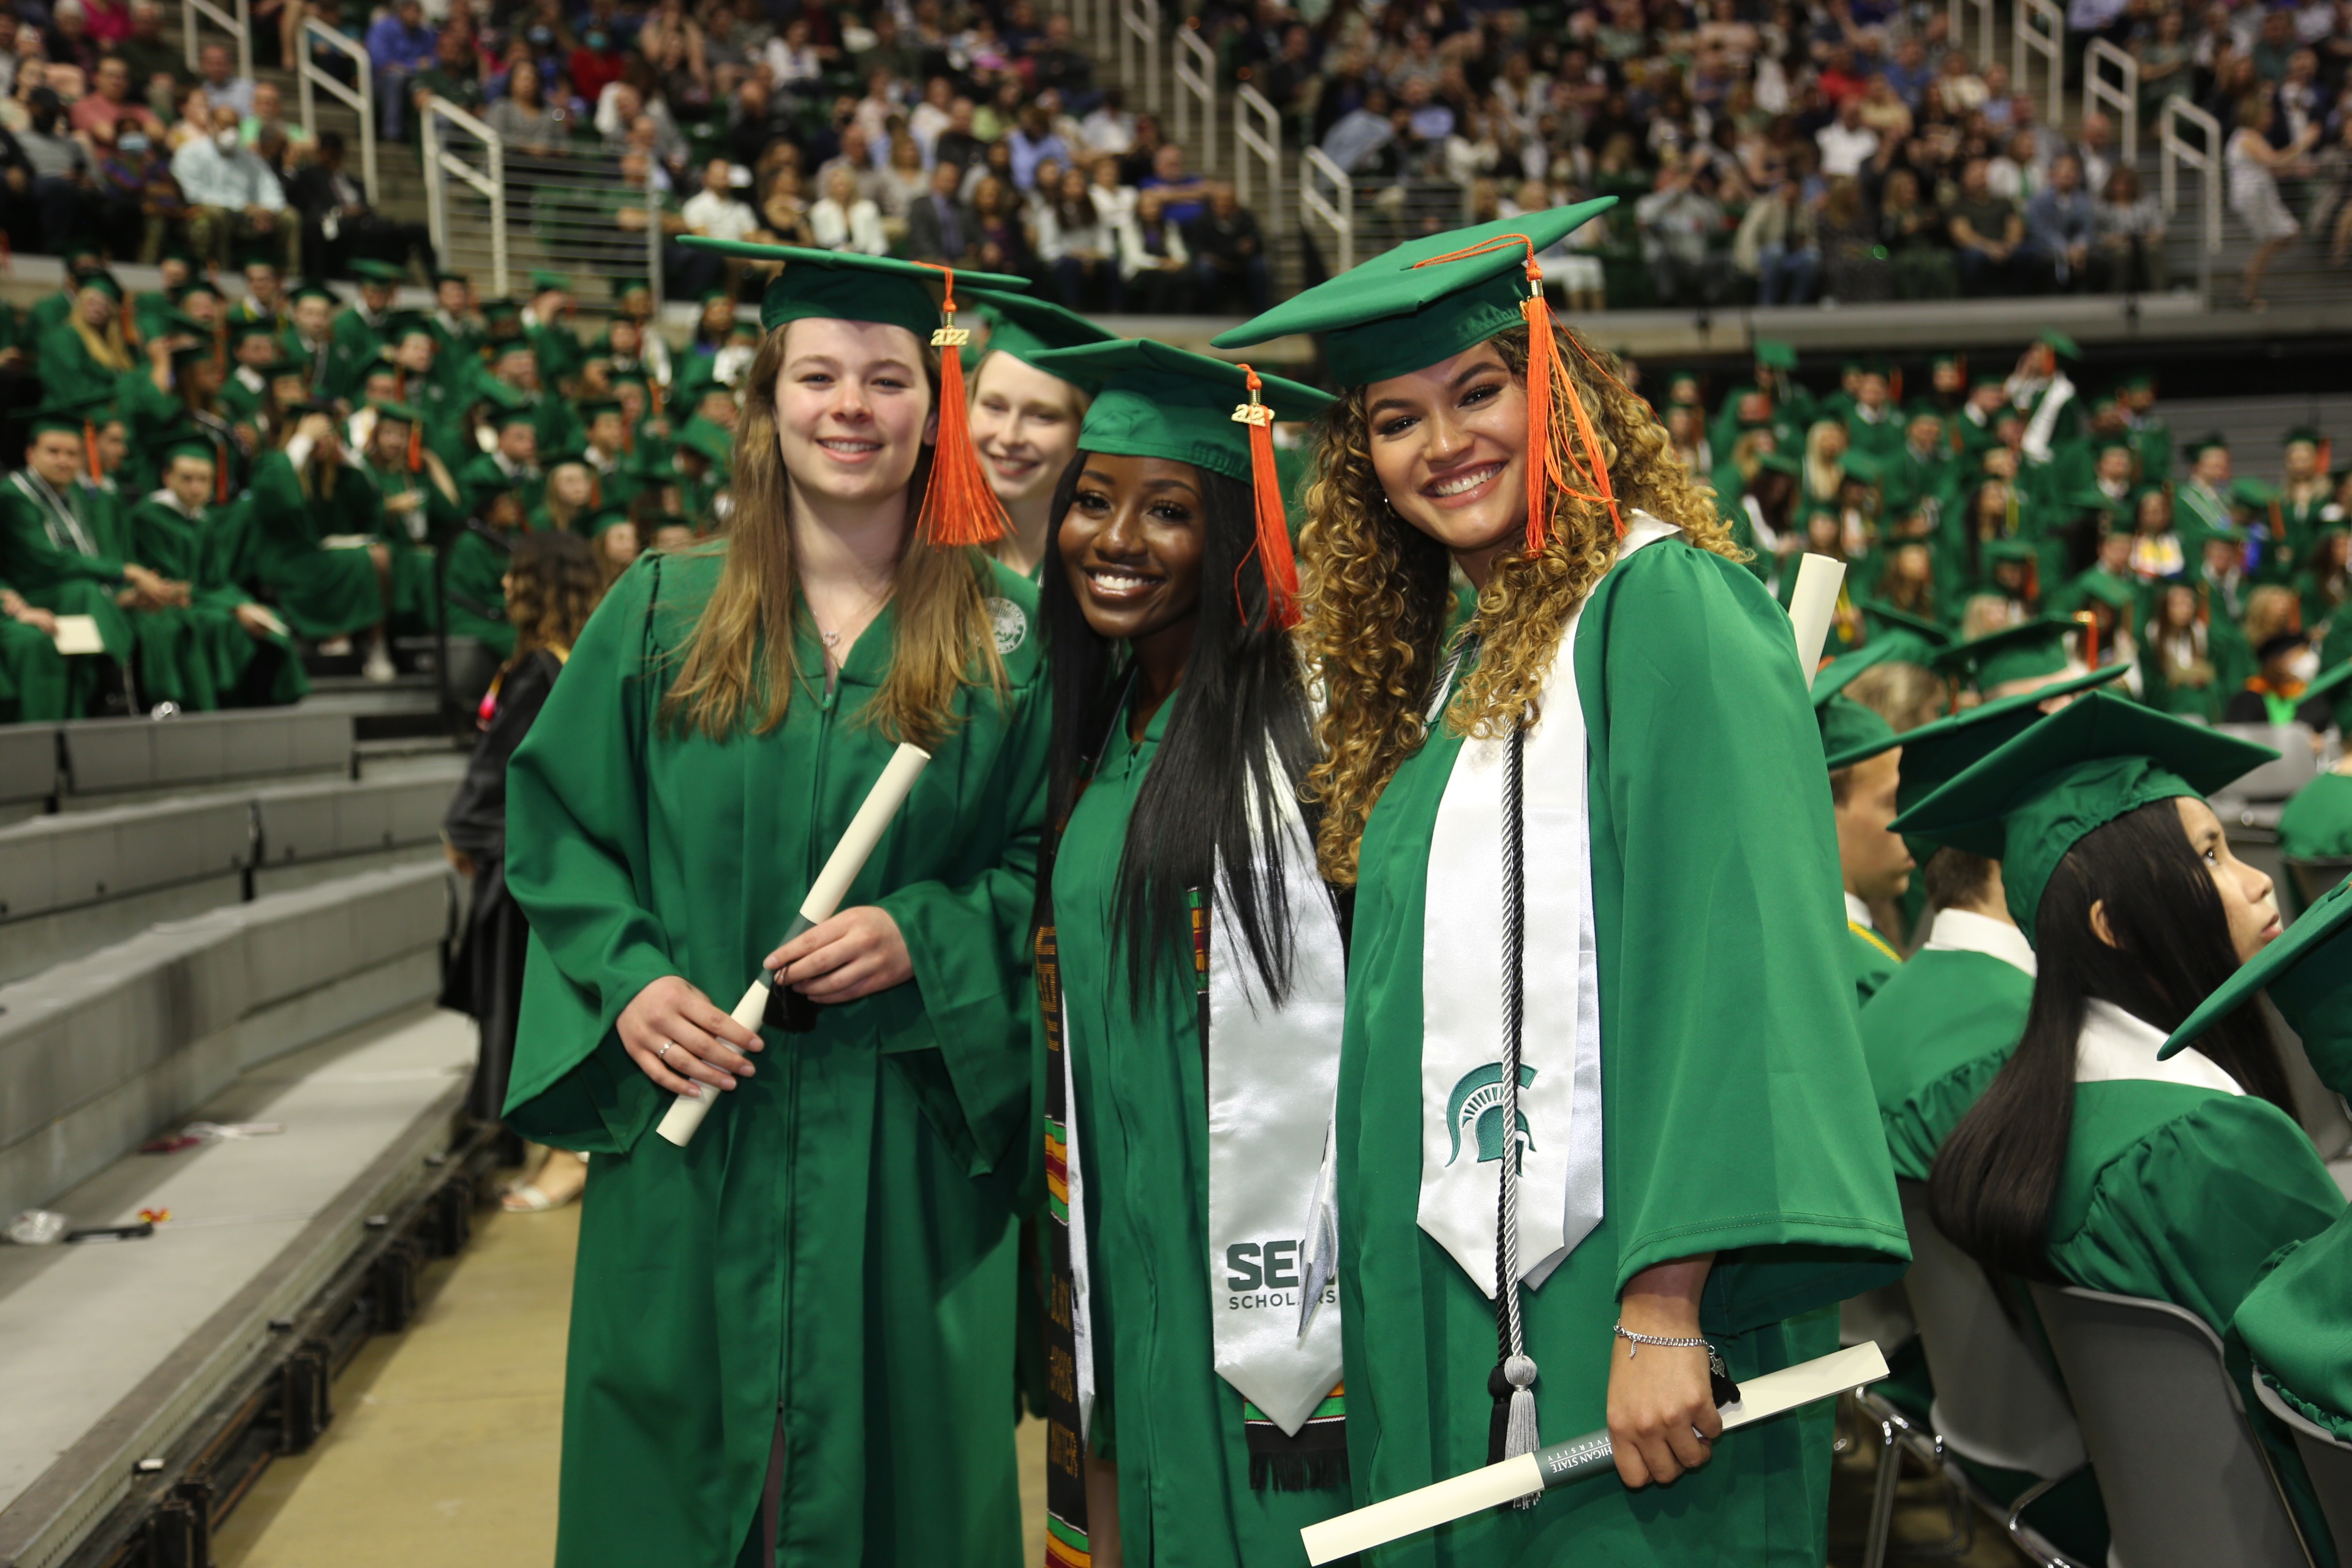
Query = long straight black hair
x=1239 y=738
x=1998 y=1173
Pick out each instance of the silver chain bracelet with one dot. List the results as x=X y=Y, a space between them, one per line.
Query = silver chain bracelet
x=1635 y=1341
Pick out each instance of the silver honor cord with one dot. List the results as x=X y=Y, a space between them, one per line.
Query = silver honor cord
x=1517 y=1369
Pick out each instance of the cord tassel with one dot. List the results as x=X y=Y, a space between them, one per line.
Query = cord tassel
x=89 y=448
x=959 y=509
x=1275 y=562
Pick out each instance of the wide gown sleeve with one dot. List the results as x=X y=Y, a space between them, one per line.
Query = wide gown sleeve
x=1740 y=1119
x=575 y=830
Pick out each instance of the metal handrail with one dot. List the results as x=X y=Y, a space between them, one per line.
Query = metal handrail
x=361 y=99
x=491 y=182
x=1336 y=212
x=1138 y=33
x=2173 y=149
x=2122 y=96
x=1195 y=70
x=2039 y=27
x=1262 y=141
x=1956 y=15
x=237 y=25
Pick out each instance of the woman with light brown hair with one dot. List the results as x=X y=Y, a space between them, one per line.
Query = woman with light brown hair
x=795 y=1331
x=1594 y=865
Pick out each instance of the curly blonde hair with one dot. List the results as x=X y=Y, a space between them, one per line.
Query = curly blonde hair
x=1377 y=594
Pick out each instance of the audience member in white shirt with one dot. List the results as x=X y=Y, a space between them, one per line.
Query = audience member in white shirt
x=716 y=212
x=844 y=220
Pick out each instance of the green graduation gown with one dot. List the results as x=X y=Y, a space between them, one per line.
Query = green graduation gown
x=472 y=597
x=354 y=347
x=320 y=592
x=198 y=551
x=74 y=570
x=2182 y=1192
x=1739 y=1119
x=1142 y=1109
x=1936 y=1034
x=71 y=375
x=836 y=1247
x=2316 y=822
x=2297 y=1326
x=33 y=678
x=1870 y=958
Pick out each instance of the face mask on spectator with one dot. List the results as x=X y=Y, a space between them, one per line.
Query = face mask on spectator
x=131 y=142
x=598 y=40
x=225 y=140
x=2303 y=666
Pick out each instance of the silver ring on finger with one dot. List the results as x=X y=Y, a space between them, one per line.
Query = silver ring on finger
x=668 y=1046
x=1702 y=1436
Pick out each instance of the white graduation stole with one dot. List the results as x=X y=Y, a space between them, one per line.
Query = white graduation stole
x=1559 y=1135
x=58 y=519
x=1274 y=1073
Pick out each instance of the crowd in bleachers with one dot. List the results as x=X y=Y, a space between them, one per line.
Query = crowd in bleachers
x=1972 y=498
x=216 y=494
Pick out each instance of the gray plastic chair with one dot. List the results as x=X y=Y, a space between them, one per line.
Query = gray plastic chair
x=2327 y=1457
x=2185 y=1482
x=2297 y=766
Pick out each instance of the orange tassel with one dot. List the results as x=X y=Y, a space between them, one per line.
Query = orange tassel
x=2089 y=621
x=89 y=448
x=416 y=448
x=959 y=509
x=220 y=473
x=1275 y=562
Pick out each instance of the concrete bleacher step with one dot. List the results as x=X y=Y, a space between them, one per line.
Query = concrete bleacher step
x=114 y=1356
x=97 y=1053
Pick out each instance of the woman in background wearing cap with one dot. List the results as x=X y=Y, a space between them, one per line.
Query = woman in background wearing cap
x=1196 y=955
x=2094 y=1157
x=1681 y=919
x=1025 y=420
x=315 y=521
x=792 y=1340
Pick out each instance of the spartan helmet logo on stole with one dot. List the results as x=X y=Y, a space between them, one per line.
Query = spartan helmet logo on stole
x=1477 y=1102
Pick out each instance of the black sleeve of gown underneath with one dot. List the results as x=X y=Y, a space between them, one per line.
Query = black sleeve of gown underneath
x=476 y=822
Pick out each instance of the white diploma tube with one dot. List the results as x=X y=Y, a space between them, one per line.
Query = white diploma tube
x=882 y=802
x=1563 y=1463
x=1810 y=607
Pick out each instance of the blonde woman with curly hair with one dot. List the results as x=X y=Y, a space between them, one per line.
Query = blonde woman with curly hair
x=792 y=1338
x=1596 y=883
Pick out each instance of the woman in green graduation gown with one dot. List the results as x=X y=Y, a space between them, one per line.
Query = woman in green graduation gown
x=1202 y=1090
x=316 y=518
x=1680 y=903
x=2093 y=1158
x=1025 y=419
x=792 y=1340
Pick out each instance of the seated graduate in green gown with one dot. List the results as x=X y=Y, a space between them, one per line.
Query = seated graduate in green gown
x=35 y=682
x=2091 y=1158
x=84 y=354
x=245 y=652
x=316 y=522
x=1201 y=977
x=424 y=506
x=62 y=549
x=792 y=1341
x=1025 y=419
x=1679 y=907
x=1863 y=753
x=1940 y=1027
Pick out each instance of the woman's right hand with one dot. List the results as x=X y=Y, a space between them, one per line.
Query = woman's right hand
x=706 y=1046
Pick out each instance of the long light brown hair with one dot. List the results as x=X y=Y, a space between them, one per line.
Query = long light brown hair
x=738 y=666
x=1377 y=594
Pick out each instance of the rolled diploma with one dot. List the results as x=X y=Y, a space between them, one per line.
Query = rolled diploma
x=1561 y=1463
x=1812 y=605
x=881 y=804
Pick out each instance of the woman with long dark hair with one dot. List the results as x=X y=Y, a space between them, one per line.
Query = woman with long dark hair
x=2091 y=1158
x=1621 y=717
x=794 y=1334
x=1200 y=973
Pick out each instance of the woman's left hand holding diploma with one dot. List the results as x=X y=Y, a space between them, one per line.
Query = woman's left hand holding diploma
x=854 y=954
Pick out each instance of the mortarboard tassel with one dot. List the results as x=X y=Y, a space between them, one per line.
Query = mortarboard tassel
x=959 y=509
x=2089 y=621
x=415 y=445
x=1275 y=562
x=89 y=448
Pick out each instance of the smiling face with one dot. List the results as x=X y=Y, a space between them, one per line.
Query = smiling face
x=853 y=409
x=1449 y=448
x=1025 y=424
x=1132 y=545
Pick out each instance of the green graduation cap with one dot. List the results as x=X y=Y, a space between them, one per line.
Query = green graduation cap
x=2010 y=550
x=2035 y=647
x=1159 y=402
x=589 y=409
x=1850 y=731
x=501 y=310
x=378 y=272
x=1774 y=353
x=1421 y=302
x=2248 y=491
x=194 y=451
x=386 y=408
x=2207 y=442
x=2314 y=997
x=104 y=282
x=1025 y=328
x=844 y=286
x=1941 y=749
x=69 y=418
x=402 y=325
x=195 y=287
x=1781 y=463
x=313 y=290
x=2032 y=800
x=606 y=518
x=624 y=287
x=710 y=440
x=2305 y=435
x=2061 y=344
x=2110 y=591
x=550 y=283
x=508 y=347
x=1913 y=639
x=2092 y=498
x=1865 y=466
